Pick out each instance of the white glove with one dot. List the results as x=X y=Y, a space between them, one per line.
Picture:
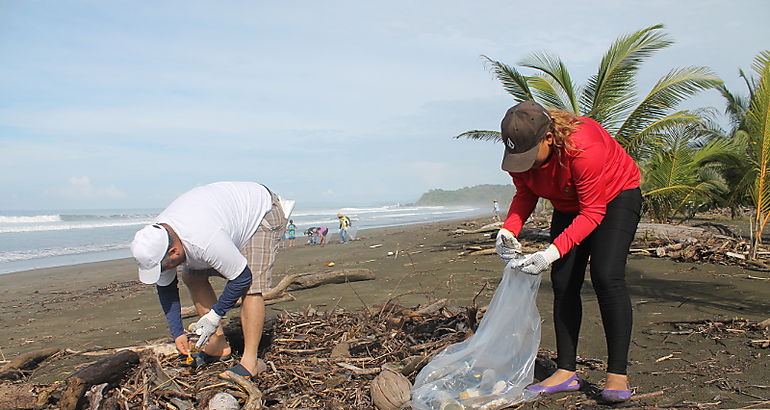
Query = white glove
x=539 y=261
x=506 y=245
x=206 y=326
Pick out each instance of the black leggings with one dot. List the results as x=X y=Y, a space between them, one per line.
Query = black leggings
x=608 y=248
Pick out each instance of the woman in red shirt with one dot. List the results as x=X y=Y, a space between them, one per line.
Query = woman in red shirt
x=593 y=185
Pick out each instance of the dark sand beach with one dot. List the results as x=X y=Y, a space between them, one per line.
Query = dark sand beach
x=102 y=305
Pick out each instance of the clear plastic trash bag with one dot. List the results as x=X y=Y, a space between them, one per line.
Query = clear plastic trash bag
x=490 y=369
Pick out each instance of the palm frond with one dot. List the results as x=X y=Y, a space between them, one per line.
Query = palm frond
x=668 y=92
x=514 y=82
x=735 y=105
x=610 y=92
x=640 y=144
x=758 y=130
x=558 y=77
x=547 y=93
x=493 y=136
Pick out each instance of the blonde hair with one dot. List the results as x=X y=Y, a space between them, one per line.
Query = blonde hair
x=563 y=124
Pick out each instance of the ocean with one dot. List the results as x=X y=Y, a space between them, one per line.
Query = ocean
x=35 y=239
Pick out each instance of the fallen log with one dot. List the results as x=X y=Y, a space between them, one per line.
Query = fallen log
x=489 y=251
x=189 y=311
x=486 y=228
x=297 y=281
x=110 y=370
x=312 y=280
x=160 y=349
x=674 y=233
x=27 y=361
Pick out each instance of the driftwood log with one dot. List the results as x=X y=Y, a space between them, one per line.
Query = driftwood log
x=674 y=233
x=307 y=281
x=486 y=228
x=110 y=369
x=298 y=281
x=13 y=370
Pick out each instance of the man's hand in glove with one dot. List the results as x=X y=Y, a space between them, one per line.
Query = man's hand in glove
x=506 y=245
x=537 y=262
x=206 y=326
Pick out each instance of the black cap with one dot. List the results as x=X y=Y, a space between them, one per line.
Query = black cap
x=523 y=127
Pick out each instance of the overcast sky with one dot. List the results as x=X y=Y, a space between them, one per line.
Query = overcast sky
x=122 y=104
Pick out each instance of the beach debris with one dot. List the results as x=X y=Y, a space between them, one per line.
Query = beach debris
x=16 y=368
x=377 y=245
x=486 y=228
x=390 y=390
x=330 y=264
x=110 y=369
x=223 y=401
x=299 y=281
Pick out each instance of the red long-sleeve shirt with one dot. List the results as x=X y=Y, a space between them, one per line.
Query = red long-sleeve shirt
x=585 y=181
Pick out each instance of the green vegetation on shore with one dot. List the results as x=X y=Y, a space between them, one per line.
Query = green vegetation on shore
x=475 y=195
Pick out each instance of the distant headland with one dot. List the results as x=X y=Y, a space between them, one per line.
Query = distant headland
x=475 y=195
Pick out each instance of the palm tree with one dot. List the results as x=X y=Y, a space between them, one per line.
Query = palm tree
x=682 y=176
x=643 y=128
x=757 y=126
x=609 y=96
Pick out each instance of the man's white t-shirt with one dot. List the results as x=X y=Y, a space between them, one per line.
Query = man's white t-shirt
x=214 y=222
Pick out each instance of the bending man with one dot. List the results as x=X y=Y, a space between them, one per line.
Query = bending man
x=225 y=229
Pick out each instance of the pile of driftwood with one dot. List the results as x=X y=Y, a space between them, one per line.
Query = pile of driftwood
x=759 y=331
x=710 y=243
x=312 y=359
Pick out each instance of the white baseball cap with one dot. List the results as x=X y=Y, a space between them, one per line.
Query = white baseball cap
x=149 y=248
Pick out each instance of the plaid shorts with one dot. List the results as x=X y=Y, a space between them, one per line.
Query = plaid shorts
x=259 y=251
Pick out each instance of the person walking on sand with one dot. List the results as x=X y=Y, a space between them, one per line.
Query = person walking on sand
x=291 y=233
x=344 y=225
x=496 y=210
x=225 y=229
x=593 y=185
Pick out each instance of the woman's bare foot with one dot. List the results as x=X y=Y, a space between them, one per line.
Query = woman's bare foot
x=560 y=376
x=616 y=382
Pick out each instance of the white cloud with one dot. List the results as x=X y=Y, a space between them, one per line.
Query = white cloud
x=82 y=188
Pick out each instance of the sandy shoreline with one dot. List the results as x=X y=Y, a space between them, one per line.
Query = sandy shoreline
x=100 y=305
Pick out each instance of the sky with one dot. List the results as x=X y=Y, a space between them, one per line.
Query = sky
x=127 y=104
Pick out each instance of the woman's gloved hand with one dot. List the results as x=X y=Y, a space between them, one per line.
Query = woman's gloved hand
x=506 y=245
x=537 y=262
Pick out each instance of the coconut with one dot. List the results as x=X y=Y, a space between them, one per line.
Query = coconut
x=390 y=390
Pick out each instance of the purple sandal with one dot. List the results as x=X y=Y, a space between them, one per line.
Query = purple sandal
x=562 y=387
x=616 y=396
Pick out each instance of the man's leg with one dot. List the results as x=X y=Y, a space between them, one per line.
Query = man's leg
x=260 y=255
x=252 y=321
x=204 y=298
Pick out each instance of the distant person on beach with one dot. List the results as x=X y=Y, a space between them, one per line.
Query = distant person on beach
x=321 y=231
x=312 y=235
x=345 y=223
x=225 y=229
x=291 y=233
x=593 y=185
x=496 y=210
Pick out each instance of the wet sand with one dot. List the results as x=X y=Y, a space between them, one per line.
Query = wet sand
x=102 y=305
